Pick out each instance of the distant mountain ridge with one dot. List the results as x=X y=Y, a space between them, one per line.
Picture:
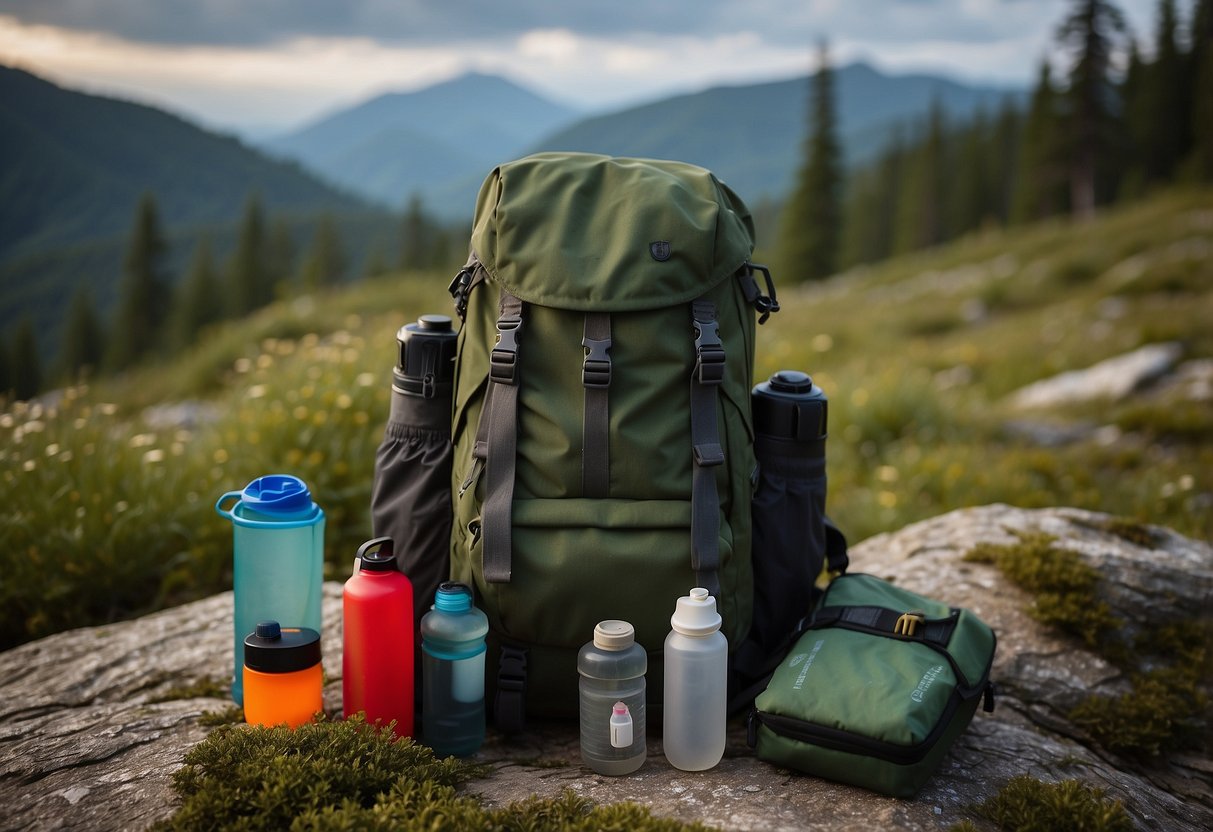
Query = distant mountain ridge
x=750 y=135
x=396 y=144
x=75 y=165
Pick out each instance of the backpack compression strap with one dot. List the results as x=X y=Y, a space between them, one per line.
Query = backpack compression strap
x=501 y=442
x=596 y=423
x=705 y=441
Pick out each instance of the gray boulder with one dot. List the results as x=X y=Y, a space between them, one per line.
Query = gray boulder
x=84 y=744
x=1111 y=379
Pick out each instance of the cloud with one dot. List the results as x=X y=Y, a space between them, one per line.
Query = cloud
x=239 y=62
x=433 y=22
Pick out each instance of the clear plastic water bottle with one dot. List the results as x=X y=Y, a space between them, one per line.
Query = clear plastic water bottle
x=612 y=669
x=277 y=562
x=452 y=672
x=695 y=707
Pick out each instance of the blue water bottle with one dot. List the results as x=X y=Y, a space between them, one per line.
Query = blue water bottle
x=277 y=562
x=452 y=672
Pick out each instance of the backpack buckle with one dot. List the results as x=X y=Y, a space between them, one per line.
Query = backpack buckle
x=459 y=289
x=765 y=304
x=509 y=705
x=709 y=351
x=504 y=358
x=908 y=623
x=596 y=370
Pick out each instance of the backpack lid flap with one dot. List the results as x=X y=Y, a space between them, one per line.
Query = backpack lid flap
x=586 y=232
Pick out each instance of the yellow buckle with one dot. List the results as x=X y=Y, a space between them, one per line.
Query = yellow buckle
x=908 y=623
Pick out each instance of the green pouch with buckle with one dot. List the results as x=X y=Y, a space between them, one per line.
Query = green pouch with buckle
x=876 y=689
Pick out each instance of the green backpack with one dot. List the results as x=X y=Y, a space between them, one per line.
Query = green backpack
x=603 y=442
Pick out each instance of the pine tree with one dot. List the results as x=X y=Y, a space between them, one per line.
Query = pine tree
x=872 y=200
x=249 y=283
x=811 y=231
x=1168 y=115
x=919 y=220
x=1135 y=93
x=1003 y=161
x=143 y=296
x=375 y=264
x=197 y=303
x=967 y=195
x=6 y=369
x=325 y=262
x=280 y=257
x=1040 y=185
x=1200 y=59
x=83 y=339
x=416 y=237
x=1090 y=33
x=27 y=366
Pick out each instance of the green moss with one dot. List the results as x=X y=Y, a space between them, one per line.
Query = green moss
x=230 y=715
x=963 y=826
x=1134 y=531
x=348 y=775
x=1166 y=710
x=1026 y=804
x=1062 y=585
x=1167 y=707
x=200 y=688
x=580 y=815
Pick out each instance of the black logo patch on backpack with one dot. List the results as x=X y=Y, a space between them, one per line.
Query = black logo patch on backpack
x=660 y=249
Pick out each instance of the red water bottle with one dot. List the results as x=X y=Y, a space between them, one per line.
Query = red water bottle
x=377 y=664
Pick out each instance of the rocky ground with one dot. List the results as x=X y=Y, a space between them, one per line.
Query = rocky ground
x=84 y=743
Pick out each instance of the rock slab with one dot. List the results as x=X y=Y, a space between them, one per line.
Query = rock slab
x=84 y=744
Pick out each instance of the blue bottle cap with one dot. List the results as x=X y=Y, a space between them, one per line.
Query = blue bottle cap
x=277 y=495
x=453 y=597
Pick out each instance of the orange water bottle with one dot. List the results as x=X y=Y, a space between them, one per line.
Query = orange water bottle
x=283 y=681
x=377 y=665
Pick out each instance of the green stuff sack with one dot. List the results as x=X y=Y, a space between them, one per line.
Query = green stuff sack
x=876 y=689
x=603 y=440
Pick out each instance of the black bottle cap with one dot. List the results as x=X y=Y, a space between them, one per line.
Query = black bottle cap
x=791 y=381
x=377 y=555
x=790 y=406
x=275 y=649
x=425 y=358
x=434 y=323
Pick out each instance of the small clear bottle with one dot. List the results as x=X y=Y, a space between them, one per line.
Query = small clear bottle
x=612 y=669
x=452 y=672
x=695 y=707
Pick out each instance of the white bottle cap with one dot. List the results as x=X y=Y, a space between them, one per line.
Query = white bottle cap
x=695 y=614
x=614 y=635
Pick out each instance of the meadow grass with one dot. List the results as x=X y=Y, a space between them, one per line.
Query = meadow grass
x=104 y=516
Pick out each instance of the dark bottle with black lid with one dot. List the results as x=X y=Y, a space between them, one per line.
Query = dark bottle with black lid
x=788 y=513
x=411 y=495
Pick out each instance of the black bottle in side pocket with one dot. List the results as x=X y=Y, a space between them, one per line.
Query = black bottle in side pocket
x=411 y=497
x=788 y=512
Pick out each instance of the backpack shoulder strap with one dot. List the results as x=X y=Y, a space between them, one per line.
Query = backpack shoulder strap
x=499 y=429
x=705 y=442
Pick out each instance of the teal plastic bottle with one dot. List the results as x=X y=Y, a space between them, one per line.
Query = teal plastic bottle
x=277 y=559
x=452 y=672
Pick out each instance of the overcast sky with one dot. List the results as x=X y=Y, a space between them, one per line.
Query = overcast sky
x=256 y=65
